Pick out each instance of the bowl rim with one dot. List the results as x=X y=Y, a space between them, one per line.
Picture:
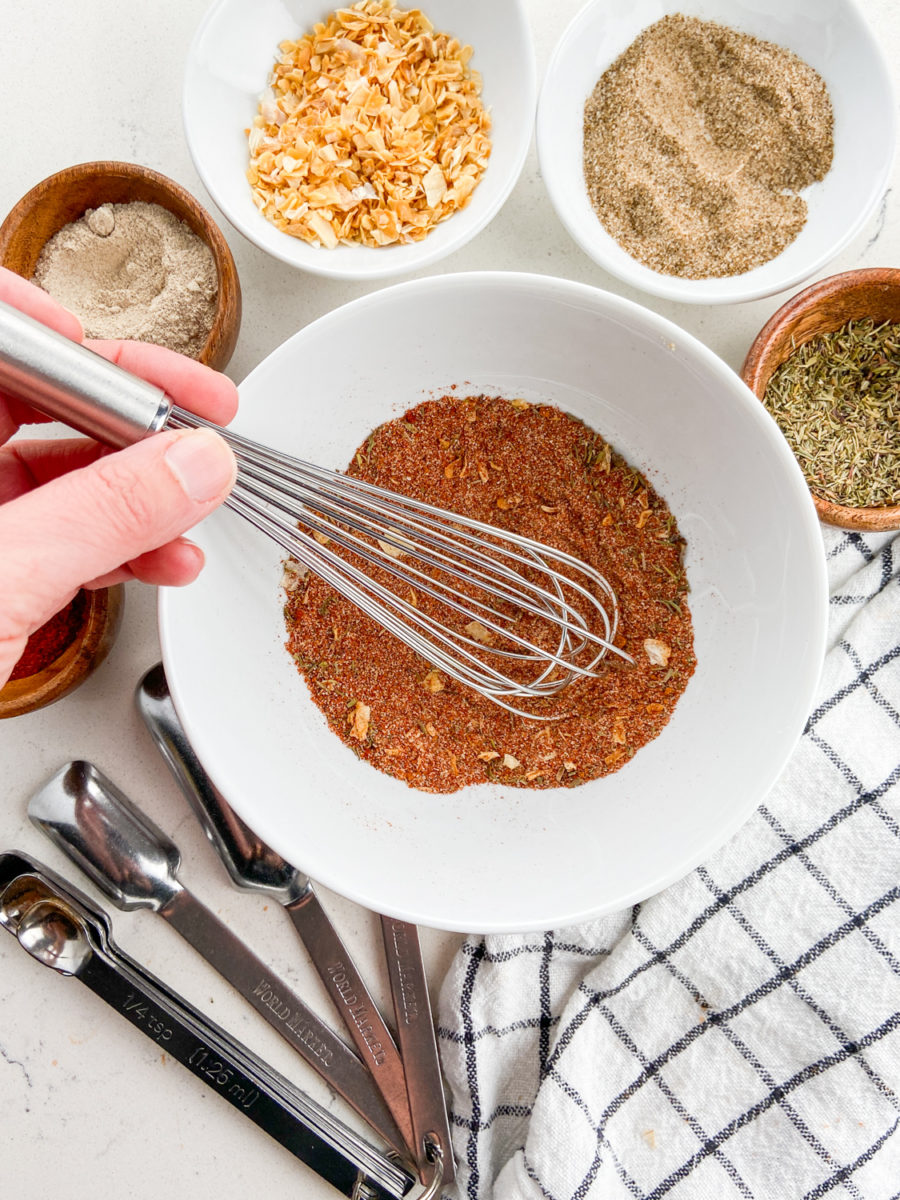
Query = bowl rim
x=331 y=269
x=223 y=335
x=709 y=841
x=754 y=368
x=673 y=287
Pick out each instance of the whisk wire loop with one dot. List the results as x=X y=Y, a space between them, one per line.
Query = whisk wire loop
x=378 y=556
x=472 y=571
x=357 y=585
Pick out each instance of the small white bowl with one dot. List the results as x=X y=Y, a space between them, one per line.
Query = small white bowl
x=228 y=66
x=831 y=35
x=488 y=857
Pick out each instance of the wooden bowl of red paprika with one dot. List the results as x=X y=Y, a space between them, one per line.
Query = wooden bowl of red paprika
x=64 y=651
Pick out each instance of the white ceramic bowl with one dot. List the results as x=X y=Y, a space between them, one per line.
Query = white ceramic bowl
x=831 y=35
x=227 y=69
x=488 y=857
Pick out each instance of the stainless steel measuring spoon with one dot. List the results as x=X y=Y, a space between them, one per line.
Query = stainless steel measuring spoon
x=135 y=864
x=61 y=929
x=256 y=866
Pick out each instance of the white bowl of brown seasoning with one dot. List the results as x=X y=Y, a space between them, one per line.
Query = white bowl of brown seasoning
x=735 y=179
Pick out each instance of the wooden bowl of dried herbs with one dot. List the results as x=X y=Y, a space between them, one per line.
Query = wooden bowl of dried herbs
x=827 y=368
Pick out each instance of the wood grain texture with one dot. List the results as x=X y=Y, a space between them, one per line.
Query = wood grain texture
x=823 y=308
x=64 y=197
x=79 y=659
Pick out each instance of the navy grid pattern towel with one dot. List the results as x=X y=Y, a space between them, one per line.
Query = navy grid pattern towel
x=737 y=1035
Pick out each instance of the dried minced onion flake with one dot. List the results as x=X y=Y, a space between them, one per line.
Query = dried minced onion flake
x=359 y=721
x=293 y=574
x=371 y=130
x=657 y=652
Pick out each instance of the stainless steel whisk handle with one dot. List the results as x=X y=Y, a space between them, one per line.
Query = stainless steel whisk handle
x=75 y=385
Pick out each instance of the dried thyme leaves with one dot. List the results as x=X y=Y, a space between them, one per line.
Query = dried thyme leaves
x=837 y=401
x=696 y=142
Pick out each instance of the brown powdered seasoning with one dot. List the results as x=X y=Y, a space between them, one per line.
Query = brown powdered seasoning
x=697 y=141
x=537 y=471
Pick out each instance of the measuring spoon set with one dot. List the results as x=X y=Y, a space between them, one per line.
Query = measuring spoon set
x=394 y=1085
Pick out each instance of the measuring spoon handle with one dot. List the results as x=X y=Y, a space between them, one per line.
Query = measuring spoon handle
x=58 y=934
x=214 y=1066
x=358 y=1010
x=315 y=1041
x=417 y=1042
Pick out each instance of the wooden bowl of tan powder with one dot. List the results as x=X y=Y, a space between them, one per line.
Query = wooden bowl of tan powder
x=133 y=254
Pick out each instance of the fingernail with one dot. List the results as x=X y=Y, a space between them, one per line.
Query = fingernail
x=202 y=463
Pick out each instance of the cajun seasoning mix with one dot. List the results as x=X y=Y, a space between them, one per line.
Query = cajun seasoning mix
x=539 y=472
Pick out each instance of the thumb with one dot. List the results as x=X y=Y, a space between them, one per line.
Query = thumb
x=88 y=522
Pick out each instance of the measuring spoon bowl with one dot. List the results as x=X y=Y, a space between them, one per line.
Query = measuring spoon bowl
x=113 y=842
x=55 y=937
x=249 y=861
x=17 y=898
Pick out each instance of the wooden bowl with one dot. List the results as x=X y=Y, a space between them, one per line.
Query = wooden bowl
x=823 y=308
x=65 y=196
x=80 y=658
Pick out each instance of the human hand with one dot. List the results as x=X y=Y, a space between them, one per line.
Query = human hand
x=73 y=513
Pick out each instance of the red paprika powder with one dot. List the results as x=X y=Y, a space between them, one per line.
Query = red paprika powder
x=48 y=642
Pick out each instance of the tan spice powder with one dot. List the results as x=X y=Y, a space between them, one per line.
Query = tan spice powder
x=136 y=271
x=697 y=141
x=537 y=471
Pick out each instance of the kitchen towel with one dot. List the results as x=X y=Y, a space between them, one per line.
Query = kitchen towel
x=737 y=1035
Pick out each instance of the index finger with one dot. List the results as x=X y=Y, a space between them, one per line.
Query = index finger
x=189 y=383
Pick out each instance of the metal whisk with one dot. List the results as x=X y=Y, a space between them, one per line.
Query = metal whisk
x=483 y=578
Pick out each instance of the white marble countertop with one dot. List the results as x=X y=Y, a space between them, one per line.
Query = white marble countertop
x=87 y=1102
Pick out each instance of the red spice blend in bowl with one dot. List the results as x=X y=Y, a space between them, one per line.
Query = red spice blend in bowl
x=542 y=473
x=64 y=651
x=47 y=643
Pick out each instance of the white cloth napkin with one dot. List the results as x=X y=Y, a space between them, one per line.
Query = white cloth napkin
x=737 y=1035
